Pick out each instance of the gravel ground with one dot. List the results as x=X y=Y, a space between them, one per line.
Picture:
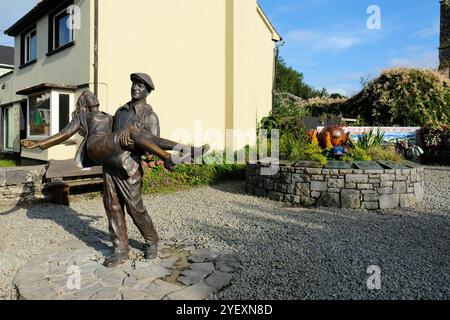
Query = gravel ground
x=287 y=253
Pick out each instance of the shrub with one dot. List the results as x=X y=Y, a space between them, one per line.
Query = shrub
x=403 y=97
x=371 y=139
x=435 y=138
x=296 y=148
x=388 y=154
x=157 y=179
x=357 y=154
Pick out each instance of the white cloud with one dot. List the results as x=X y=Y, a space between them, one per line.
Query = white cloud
x=321 y=41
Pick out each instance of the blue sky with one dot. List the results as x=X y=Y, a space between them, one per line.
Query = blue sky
x=328 y=40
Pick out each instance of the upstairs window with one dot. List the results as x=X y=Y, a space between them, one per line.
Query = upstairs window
x=63 y=30
x=29 y=47
x=61 y=27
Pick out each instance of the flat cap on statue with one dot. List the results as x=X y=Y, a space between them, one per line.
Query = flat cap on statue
x=144 y=78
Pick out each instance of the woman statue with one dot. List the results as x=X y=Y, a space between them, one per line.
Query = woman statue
x=101 y=146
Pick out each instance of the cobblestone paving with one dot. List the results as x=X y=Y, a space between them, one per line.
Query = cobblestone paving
x=74 y=270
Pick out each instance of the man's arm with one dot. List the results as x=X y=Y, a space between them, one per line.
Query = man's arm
x=152 y=124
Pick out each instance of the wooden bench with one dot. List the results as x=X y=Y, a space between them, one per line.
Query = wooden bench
x=63 y=174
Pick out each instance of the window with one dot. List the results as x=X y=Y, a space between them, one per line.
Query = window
x=39 y=115
x=29 y=47
x=64 y=110
x=48 y=113
x=62 y=28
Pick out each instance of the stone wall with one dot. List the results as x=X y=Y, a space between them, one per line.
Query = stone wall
x=348 y=188
x=22 y=184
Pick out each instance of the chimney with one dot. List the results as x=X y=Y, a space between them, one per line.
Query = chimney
x=444 y=46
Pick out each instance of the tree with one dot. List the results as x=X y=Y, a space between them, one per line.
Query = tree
x=291 y=81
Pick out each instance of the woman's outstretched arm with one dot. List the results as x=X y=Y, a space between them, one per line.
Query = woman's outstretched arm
x=69 y=131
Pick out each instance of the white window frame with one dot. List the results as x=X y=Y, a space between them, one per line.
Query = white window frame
x=71 y=33
x=54 y=112
x=27 y=52
x=5 y=118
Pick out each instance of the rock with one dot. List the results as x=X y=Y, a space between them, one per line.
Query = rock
x=302 y=189
x=114 y=279
x=131 y=294
x=336 y=183
x=105 y=294
x=228 y=263
x=219 y=280
x=370 y=205
x=389 y=201
x=329 y=200
x=356 y=178
x=418 y=191
x=207 y=267
x=400 y=187
x=350 y=199
x=319 y=186
x=407 y=200
x=192 y=276
x=199 y=291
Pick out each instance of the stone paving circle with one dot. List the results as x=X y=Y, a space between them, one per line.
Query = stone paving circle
x=183 y=270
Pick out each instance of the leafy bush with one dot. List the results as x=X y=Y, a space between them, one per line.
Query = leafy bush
x=357 y=154
x=157 y=179
x=296 y=148
x=435 y=138
x=388 y=154
x=403 y=97
x=286 y=117
x=371 y=139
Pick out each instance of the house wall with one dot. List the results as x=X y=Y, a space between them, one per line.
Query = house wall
x=180 y=43
x=72 y=66
x=4 y=69
x=211 y=62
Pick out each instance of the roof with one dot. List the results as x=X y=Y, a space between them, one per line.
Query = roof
x=41 y=9
x=7 y=55
x=45 y=86
x=275 y=35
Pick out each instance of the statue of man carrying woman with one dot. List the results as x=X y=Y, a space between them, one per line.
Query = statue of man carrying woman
x=118 y=144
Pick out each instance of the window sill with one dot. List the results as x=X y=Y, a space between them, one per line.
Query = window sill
x=29 y=63
x=67 y=45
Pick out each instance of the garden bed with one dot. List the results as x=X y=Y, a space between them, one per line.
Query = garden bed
x=361 y=185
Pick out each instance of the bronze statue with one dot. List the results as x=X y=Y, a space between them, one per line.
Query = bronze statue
x=118 y=144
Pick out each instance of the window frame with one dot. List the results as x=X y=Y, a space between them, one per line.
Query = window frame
x=54 y=112
x=25 y=54
x=53 y=18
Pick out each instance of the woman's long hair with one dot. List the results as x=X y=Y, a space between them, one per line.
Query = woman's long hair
x=86 y=101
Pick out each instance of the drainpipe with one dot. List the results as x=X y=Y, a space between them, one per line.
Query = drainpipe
x=276 y=53
x=96 y=47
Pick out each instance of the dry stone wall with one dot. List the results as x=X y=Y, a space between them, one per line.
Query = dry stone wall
x=343 y=188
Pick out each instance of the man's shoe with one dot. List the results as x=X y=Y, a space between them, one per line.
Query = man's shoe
x=116 y=259
x=151 y=252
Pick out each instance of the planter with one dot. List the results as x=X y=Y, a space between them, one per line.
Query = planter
x=388 y=186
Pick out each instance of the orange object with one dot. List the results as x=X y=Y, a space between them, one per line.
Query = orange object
x=312 y=135
x=332 y=136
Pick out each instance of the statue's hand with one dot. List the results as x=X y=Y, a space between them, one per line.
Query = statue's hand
x=125 y=140
x=29 y=144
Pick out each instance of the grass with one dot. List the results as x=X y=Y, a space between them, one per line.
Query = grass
x=7 y=164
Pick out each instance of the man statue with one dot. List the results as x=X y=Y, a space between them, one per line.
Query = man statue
x=119 y=192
